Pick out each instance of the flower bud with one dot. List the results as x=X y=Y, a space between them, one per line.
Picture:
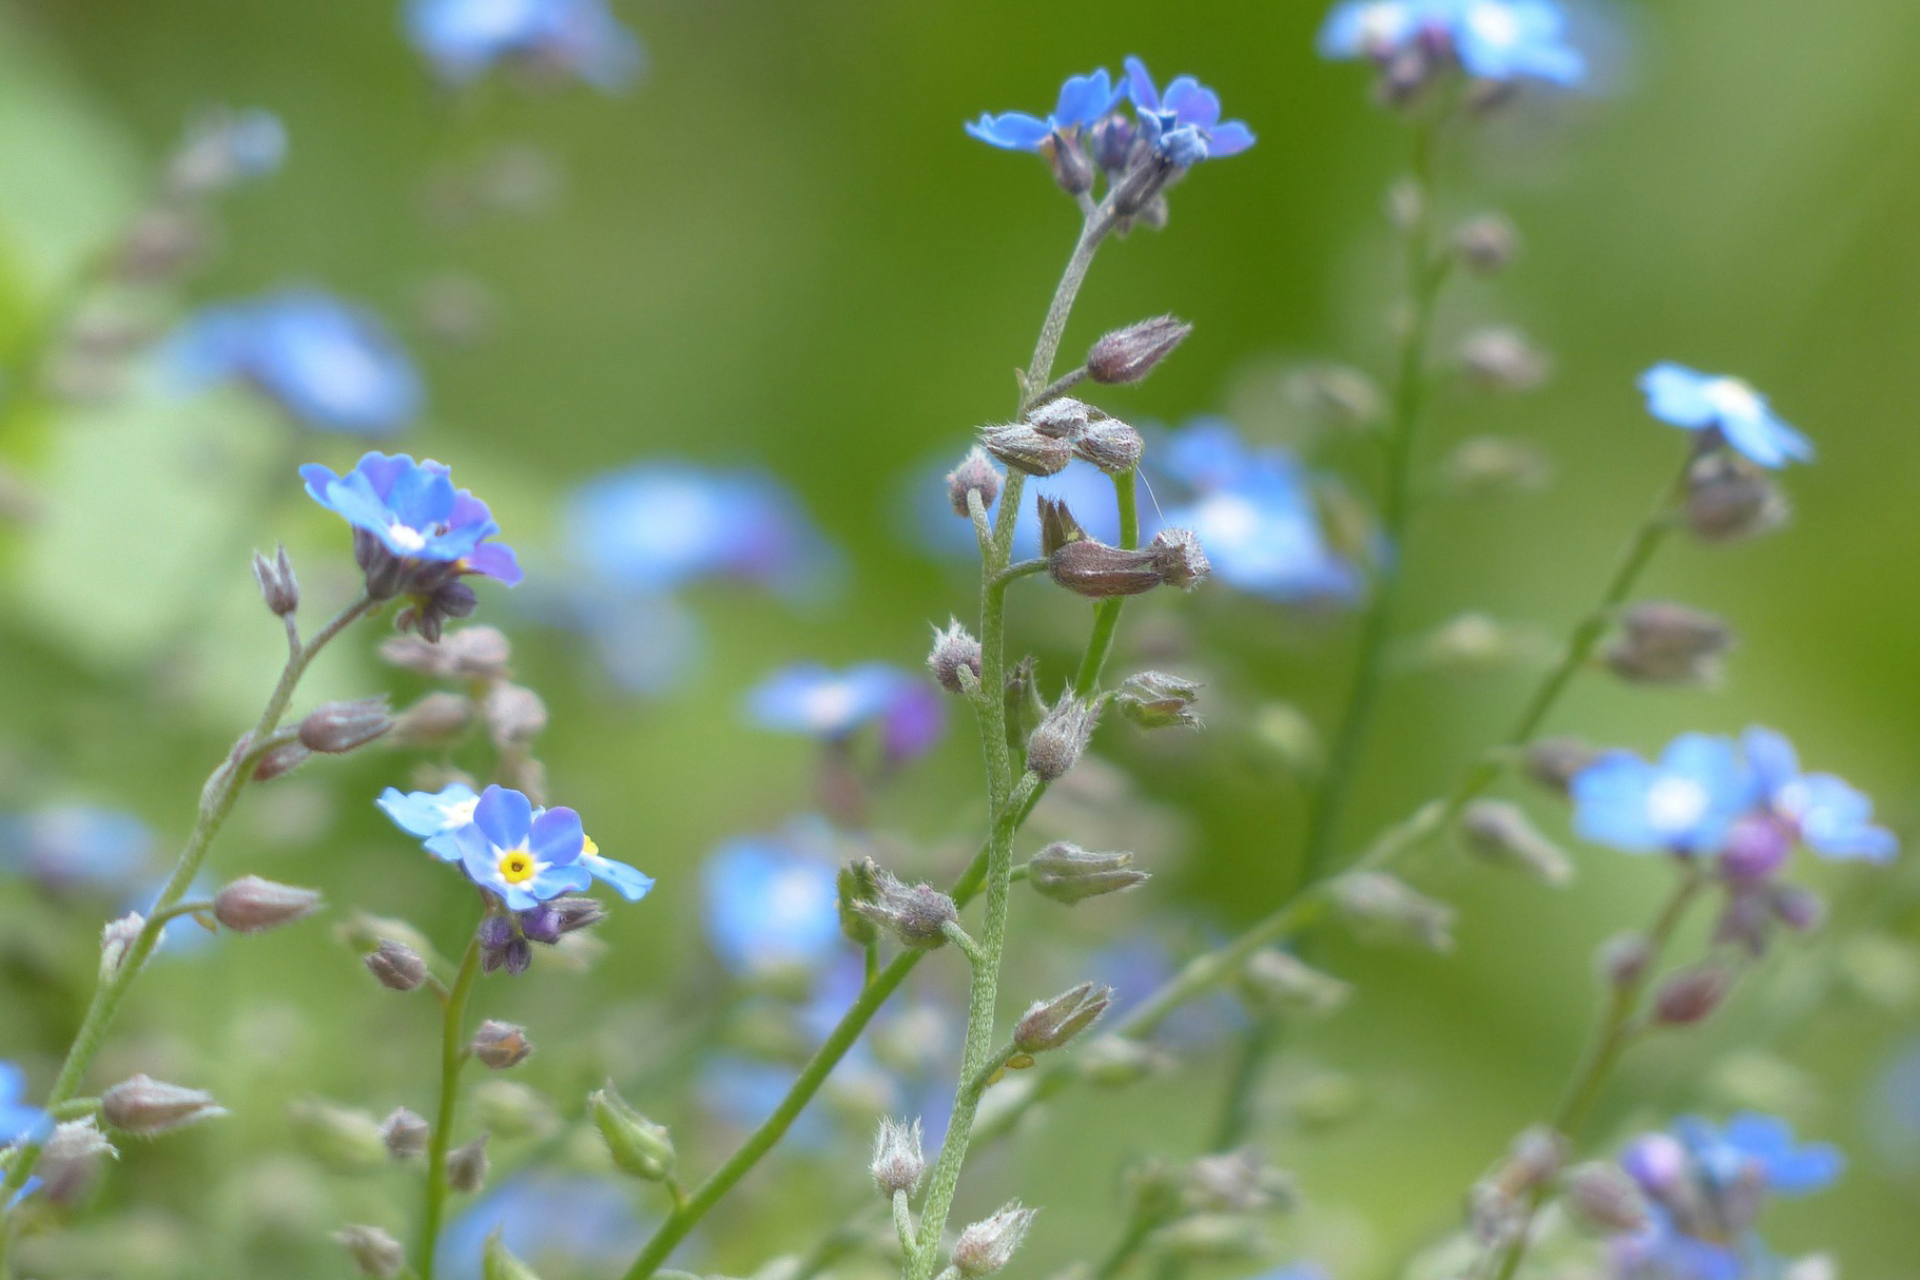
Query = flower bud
x=280 y=761
x=70 y=1162
x=515 y=715
x=988 y=1245
x=1024 y=707
x=1068 y=874
x=1385 y=908
x=144 y=1107
x=373 y=1251
x=1487 y=244
x=975 y=474
x=915 y=915
x=1063 y=418
x=278 y=587
x=1237 y=1182
x=1023 y=447
x=397 y=966
x=1098 y=571
x=1110 y=445
x=1503 y=360
x=638 y=1145
x=1282 y=983
x=1692 y=995
x=500 y=1045
x=1130 y=354
x=1603 y=1198
x=116 y=939
x=253 y=905
x=345 y=1141
x=1501 y=834
x=1622 y=960
x=953 y=650
x=1488 y=465
x=438 y=719
x=338 y=727
x=467 y=1166
x=1669 y=644
x=1058 y=740
x=1553 y=762
x=898 y=1164
x=1178 y=558
x=1065 y=155
x=858 y=881
x=1050 y=1024
x=404 y=1133
x=497 y=1262
x=1729 y=499
x=1534 y=1158
x=1156 y=700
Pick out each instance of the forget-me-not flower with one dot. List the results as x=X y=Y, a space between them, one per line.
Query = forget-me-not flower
x=1824 y=813
x=1083 y=101
x=1683 y=803
x=1183 y=123
x=522 y=856
x=433 y=816
x=414 y=512
x=822 y=703
x=1728 y=406
x=331 y=365
x=1502 y=40
x=546 y=1220
x=770 y=902
x=66 y=845
x=463 y=38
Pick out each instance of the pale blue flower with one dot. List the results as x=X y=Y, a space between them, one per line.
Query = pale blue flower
x=1503 y=40
x=1377 y=29
x=463 y=38
x=521 y=856
x=1183 y=123
x=1762 y=1145
x=62 y=846
x=770 y=901
x=1684 y=803
x=19 y=1122
x=1728 y=406
x=820 y=702
x=1083 y=101
x=414 y=511
x=1826 y=814
x=550 y=1221
x=433 y=816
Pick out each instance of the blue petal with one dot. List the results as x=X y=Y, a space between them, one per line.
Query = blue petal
x=556 y=836
x=504 y=817
x=1229 y=139
x=1140 y=86
x=629 y=882
x=1012 y=130
x=1677 y=394
x=1084 y=100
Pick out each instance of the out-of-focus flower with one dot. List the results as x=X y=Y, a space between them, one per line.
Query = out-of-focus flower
x=810 y=699
x=1824 y=813
x=552 y=1221
x=1253 y=511
x=1684 y=803
x=1083 y=100
x=1727 y=406
x=463 y=38
x=331 y=365
x=1183 y=123
x=433 y=816
x=770 y=901
x=1086 y=490
x=522 y=856
x=68 y=845
x=1502 y=40
x=223 y=148
x=19 y=1121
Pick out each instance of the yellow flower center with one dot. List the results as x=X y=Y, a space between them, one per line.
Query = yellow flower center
x=588 y=849
x=516 y=866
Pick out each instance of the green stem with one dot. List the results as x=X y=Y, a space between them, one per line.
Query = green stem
x=1426 y=275
x=217 y=798
x=453 y=1056
x=1124 y=1249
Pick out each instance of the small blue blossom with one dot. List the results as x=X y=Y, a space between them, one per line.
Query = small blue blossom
x=331 y=365
x=1683 y=804
x=770 y=902
x=67 y=845
x=463 y=38
x=822 y=703
x=1761 y=1146
x=550 y=1221
x=519 y=855
x=1503 y=40
x=415 y=512
x=1728 y=406
x=1183 y=123
x=18 y=1121
x=1824 y=813
x=434 y=816
x=1083 y=101
x=1378 y=30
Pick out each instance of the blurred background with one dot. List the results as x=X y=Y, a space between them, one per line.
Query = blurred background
x=777 y=253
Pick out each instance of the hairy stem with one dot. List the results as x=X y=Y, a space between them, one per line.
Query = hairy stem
x=453 y=1056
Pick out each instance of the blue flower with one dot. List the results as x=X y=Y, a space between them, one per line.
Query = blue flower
x=415 y=513
x=434 y=816
x=1728 y=406
x=18 y=1121
x=770 y=902
x=549 y=1221
x=1253 y=511
x=1682 y=804
x=1083 y=101
x=1759 y=1146
x=333 y=366
x=1502 y=40
x=1376 y=29
x=521 y=856
x=463 y=38
x=1183 y=123
x=67 y=845
x=629 y=882
x=1828 y=816
x=822 y=703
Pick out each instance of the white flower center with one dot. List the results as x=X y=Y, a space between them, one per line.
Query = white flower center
x=1381 y=25
x=828 y=705
x=459 y=813
x=1228 y=519
x=795 y=899
x=1495 y=23
x=1675 y=804
x=405 y=537
x=1733 y=398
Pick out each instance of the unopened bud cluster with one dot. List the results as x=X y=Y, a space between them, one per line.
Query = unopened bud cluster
x=1058 y=431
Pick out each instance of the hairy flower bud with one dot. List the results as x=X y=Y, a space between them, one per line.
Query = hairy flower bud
x=1501 y=834
x=1669 y=644
x=1178 y=558
x=144 y=1106
x=373 y=1251
x=988 y=1245
x=338 y=727
x=1212 y=1237
x=638 y=1145
x=253 y=905
x=1066 y=873
x=1110 y=445
x=1027 y=449
x=1728 y=499
x=438 y=719
x=577 y=913
x=1487 y=244
x=467 y=1166
x=1283 y=983
x=1068 y=159
x=280 y=761
x=1335 y=394
x=278 y=587
x=954 y=650
x=116 y=939
x=1692 y=995
x=397 y=966
x=515 y=715
x=1059 y=739
x=898 y=1164
x=1063 y=418
x=404 y=1133
x=916 y=915
x=1101 y=572
x=1050 y=1024
x=1130 y=354
x=70 y=1162
x=497 y=1262
x=975 y=474
x=1156 y=700
x=1603 y=1198
x=1798 y=907
x=1553 y=762
x=1503 y=360
x=502 y=946
x=500 y=1045
x=1384 y=907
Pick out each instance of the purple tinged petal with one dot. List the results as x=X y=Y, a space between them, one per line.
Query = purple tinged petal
x=1229 y=139
x=1192 y=102
x=495 y=560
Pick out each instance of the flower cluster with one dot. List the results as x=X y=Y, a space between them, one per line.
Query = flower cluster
x=1494 y=40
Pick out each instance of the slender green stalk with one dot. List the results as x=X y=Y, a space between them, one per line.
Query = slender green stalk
x=453 y=1056
x=1124 y=1250
x=1426 y=275
x=1615 y=1032
x=217 y=798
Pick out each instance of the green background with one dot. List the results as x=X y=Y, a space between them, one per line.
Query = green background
x=780 y=249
